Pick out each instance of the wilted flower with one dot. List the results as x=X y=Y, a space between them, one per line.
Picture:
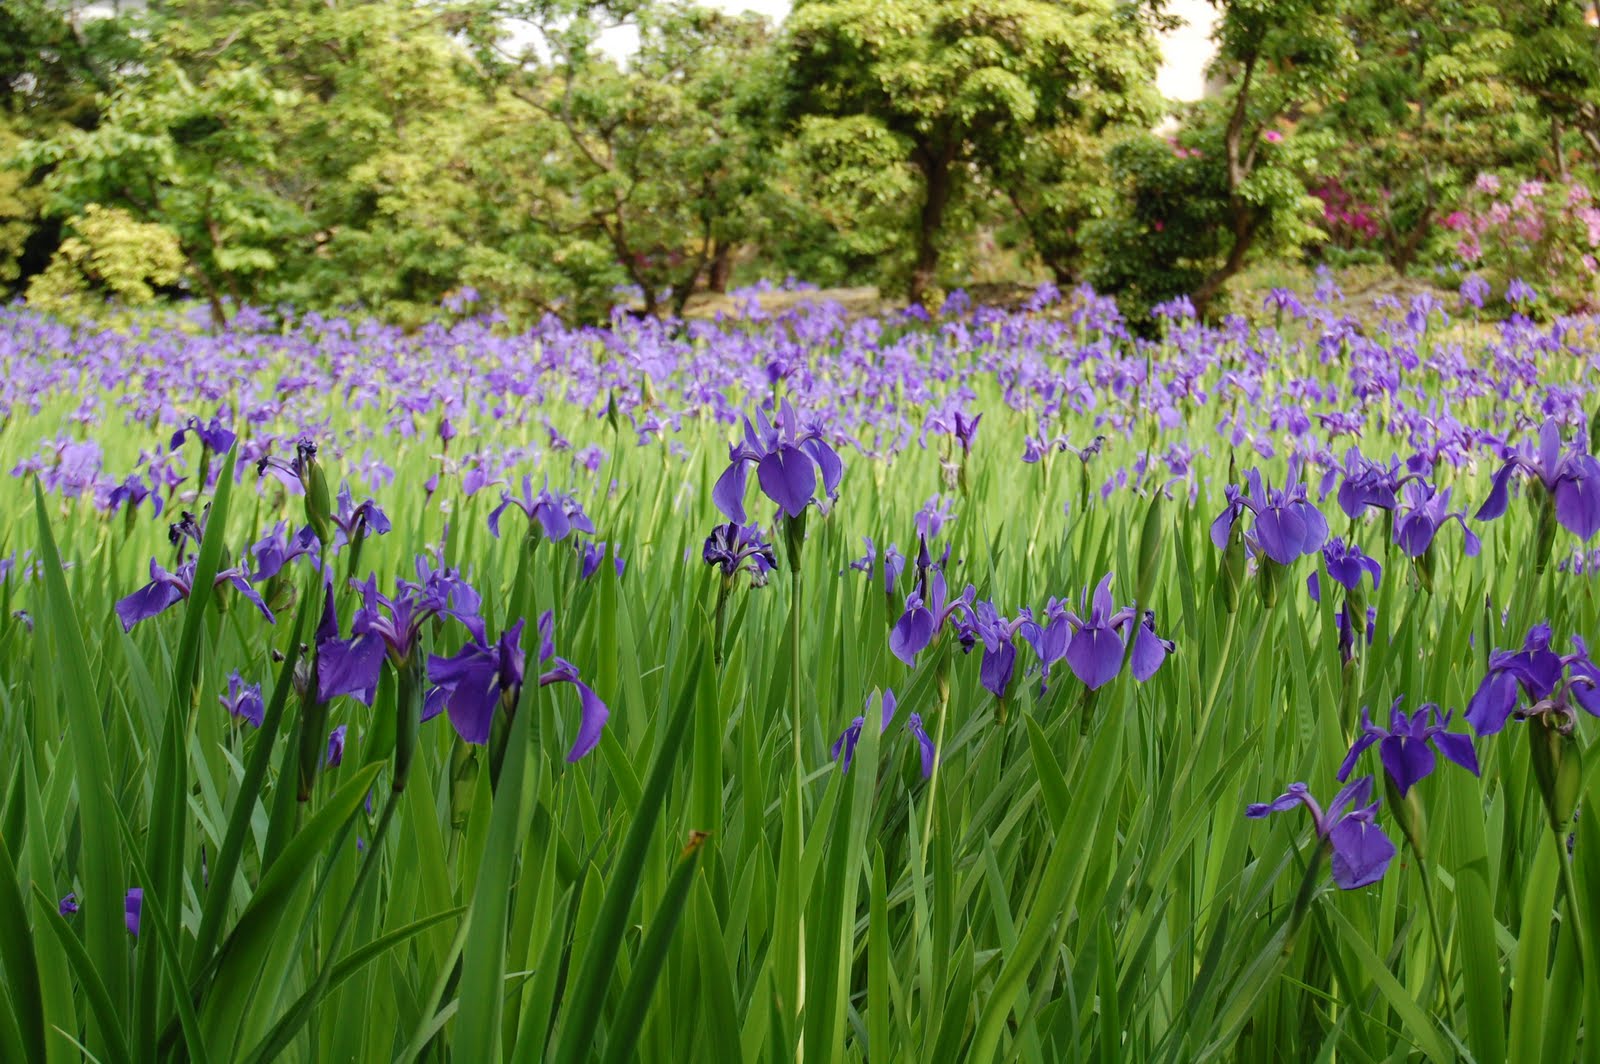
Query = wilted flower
x=1361 y=851
x=732 y=547
x=336 y=745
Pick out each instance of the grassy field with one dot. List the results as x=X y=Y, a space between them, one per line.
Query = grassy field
x=672 y=861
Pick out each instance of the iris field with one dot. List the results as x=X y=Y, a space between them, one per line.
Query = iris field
x=992 y=685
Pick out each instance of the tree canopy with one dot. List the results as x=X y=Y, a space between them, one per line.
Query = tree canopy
x=568 y=157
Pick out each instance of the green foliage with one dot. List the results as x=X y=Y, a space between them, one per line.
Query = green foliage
x=953 y=91
x=1428 y=105
x=391 y=154
x=1234 y=180
x=109 y=255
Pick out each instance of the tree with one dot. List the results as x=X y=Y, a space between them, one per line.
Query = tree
x=1230 y=181
x=1553 y=53
x=53 y=64
x=1426 y=107
x=657 y=158
x=950 y=90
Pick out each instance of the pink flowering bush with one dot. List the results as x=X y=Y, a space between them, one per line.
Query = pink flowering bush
x=1545 y=233
x=1349 y=222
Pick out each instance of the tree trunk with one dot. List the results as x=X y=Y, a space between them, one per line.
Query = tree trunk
x=1405 y=252
x=721 y=268
x=1244 y=235
x=936 y=183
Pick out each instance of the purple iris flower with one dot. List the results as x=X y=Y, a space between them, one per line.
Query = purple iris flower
x=1519 y=292
x=914 y=726
x=1367 y=483
x=592 y=554
x=788 y=459
x=1098 y=641
x=555 y=513
x=1361 y=851
x=357 y=522
x=67 y=905
x=965 y=429
x=483 y=675
x=846 y=743
x=473 y=682
x=277 y=549
x=933 y=516
x=1049 y=639
x=732 y=547
x=1404 y=746
x=1036 y=447
x=1347 y=632
x=1426 y=511
x=893 y=563
x=1346 y=564
x=132 y=909
x=130 y=493
x=1287 y=525
x=1571 y=477
x=844 y=747
x=168 y=589
x=386 y=627
x=243 y=700
x=1550 y=682
x=1149 y=649
x=927 y=610
x=213 y=435
x=336 y=745
x=985 y=624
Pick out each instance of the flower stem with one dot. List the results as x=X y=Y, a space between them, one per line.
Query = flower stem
x=943 y=677
x=797 y=846
x=721 y=632
x=794 y=673
x=1436 y=935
